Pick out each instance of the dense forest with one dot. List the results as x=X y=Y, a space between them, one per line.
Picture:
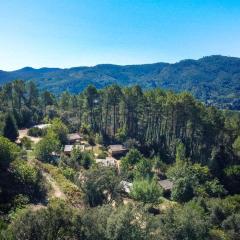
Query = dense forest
x=48 y=194
x=213 y=80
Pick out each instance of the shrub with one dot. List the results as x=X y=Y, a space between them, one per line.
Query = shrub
x=68 y=173
x=20 y=201
x=10 y=129
x=60 y=130
x=232 y=178
x=102 y=155
x=99 y=139
x=46 y=146
x=91 y=140
x=29 y=177
x=77 y=159
x=147 y=191
x=184 y=222
x=100 y=185
x=36 y=132
x=26 y=143
x=8 y=152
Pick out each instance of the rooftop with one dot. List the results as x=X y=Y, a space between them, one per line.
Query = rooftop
x=166 y=184
x=117 y=147
x=69 y=148
x=108 y=161
x=74 y=136
x=42 y=126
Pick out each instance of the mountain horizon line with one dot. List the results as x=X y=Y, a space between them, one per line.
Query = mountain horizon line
x=115 y=64
x=214 y=79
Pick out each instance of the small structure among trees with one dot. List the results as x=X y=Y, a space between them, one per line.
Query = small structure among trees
x=74 y=138
x=107 y=162
x=167 y=187
x=42 y=126
x=166 y=184
x=117 y=150
x=69 y=148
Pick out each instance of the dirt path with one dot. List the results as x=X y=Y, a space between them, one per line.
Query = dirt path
x=23 y=133
x=55 y=189
x=55 y=192
x=36 y=207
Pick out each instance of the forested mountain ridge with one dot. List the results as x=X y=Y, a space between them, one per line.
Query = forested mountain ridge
x=214 y=79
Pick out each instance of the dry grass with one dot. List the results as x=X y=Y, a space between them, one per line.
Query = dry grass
x=23 y=133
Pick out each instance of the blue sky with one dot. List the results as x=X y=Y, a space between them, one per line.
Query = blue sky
x=66 y=33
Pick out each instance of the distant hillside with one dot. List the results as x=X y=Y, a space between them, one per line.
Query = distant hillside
x=213 y=79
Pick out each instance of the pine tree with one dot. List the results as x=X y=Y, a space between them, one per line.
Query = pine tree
x=180 y=152
x=10 y=129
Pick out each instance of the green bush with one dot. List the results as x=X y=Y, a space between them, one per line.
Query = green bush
x=10 y=129
x=46 y=146
x=68 y=173
x=28 y=177
x=100 y=185
x=191 y=180
x=59 y=129
x=26 y=142
x=102 y=155
x=20 y=201
x=36 y=132
x=147 y=191
x=8 y=152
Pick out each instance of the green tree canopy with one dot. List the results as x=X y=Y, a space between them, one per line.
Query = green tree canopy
x=46 y=147
x=60 y=130
x=77 y=159
x=100 y=185
x=147 y=191
x=126 y=223
x=184 y=222
x=8 y=152
x=191 y=180
x=143 y=169
x=236 y=146
x=129 y=161
x=28 y=177
x=10 y=129
x=57 y=221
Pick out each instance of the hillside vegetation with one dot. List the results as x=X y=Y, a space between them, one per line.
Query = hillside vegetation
x=144 y=165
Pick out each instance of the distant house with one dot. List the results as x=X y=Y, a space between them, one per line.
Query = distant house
x=166 y=184
x=42 y=126
x=117 y=149
x=69 y=148
x=126 y=186
x=107 y=162
x=74 y=137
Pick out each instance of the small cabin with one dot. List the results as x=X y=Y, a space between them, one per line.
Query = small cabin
x=117 y=150
x=74 y=138
x=42 y=126
x=69 y=148
x=107 y=162
x=167 y=186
